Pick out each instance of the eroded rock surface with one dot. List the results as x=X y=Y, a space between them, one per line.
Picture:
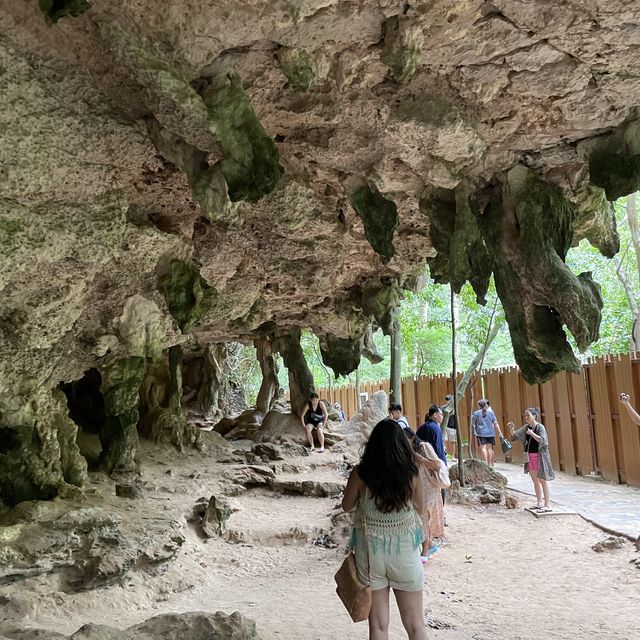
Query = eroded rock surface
x=169 y=626
x=246 y=170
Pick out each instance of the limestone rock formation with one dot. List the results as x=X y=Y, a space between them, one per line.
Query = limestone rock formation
x=376 y=408
x=169 y=626
x=177 y=173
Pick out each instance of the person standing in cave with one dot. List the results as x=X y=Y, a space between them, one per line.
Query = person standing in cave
x=485 y=424
x=314 y=416
x=386 y=491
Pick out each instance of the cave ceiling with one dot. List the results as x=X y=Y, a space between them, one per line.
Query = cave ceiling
x=228 y=169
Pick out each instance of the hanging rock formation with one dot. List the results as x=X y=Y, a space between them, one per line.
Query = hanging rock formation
x=236 y=171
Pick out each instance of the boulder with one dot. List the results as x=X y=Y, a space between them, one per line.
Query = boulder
x=477 y=472
x=358 y=429
x=128 y=490
x=250 y=476
x=170 y=626
x=267 y=450
x=214 y=520
x=285 y=428
x=609 y=544
x=87 y=547
x=310 y=488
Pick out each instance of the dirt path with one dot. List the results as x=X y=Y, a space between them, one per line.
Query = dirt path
x=502 y=575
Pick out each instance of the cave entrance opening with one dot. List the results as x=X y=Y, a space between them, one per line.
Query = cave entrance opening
x=86 y=409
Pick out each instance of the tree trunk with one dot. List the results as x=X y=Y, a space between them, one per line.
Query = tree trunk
x=269 y=367
x=633 y=305
x=395 y=386
x=632 y=218
x=301 y=383
x=454 y=377
x=357 y=385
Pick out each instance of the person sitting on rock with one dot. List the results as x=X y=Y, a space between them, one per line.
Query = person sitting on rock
x=314 y=416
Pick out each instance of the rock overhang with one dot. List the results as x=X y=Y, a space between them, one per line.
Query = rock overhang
x=284 y=155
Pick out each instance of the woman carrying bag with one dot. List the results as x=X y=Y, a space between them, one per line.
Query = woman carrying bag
x=387 y=533
x=533 y=436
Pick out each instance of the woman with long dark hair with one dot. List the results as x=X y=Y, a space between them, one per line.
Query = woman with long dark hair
x=387 y=532
x=533 y=436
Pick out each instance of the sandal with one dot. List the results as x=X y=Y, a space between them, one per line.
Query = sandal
x=536 y=508
x=545 y=510
x=321 y=450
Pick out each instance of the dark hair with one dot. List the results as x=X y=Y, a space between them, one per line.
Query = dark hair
x=534 y=411
x=388 y=466
x=413 y=438
x=313 y=395
x=433 y=409
x=448 y=397
x=394 y=406
x=483 y=404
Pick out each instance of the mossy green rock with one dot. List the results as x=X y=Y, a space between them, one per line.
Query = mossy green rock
x=455 y=234
x=380 y=218
x=341 y=354
x=298 y=67
x=187 y=295
x=38 y=450
x=251 y=164
x=119 y=436
x=529 y=225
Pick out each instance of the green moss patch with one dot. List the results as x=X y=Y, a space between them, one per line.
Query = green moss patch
x=380 y=218
x=251 y=163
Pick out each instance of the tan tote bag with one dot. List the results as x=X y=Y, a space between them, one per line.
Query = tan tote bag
x=355 y=596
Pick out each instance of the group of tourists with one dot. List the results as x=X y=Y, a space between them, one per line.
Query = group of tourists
x=398 y=493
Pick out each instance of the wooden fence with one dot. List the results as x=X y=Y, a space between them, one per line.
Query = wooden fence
x=589 y=431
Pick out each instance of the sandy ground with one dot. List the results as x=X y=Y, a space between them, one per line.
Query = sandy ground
x=502 y=574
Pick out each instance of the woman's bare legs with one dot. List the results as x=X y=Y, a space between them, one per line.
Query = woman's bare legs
x=489 y=459
x=320 y=438
x=483 y=453
x=379 y=615
x=538 y=488
x=545 y=491
x=308 y=429
x=411 y=613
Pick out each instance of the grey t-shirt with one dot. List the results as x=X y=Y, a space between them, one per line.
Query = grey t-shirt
x=483 y=425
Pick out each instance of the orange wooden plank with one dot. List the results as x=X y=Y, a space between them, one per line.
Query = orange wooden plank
x=602 y=427
x=513 y=409
x=581 y=426
x=629 y=432
x=565 y=432
x=549 y=420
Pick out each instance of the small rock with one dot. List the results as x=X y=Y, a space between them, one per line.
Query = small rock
x=128 y=490
x=637 y=543
x=268 y=450
x=510 y=502
x=612 y=542
x=217 y=513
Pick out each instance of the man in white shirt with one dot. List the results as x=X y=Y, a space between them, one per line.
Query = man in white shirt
x=395 y=413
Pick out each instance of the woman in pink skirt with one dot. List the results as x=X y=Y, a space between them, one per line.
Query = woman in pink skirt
x=533 y=436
